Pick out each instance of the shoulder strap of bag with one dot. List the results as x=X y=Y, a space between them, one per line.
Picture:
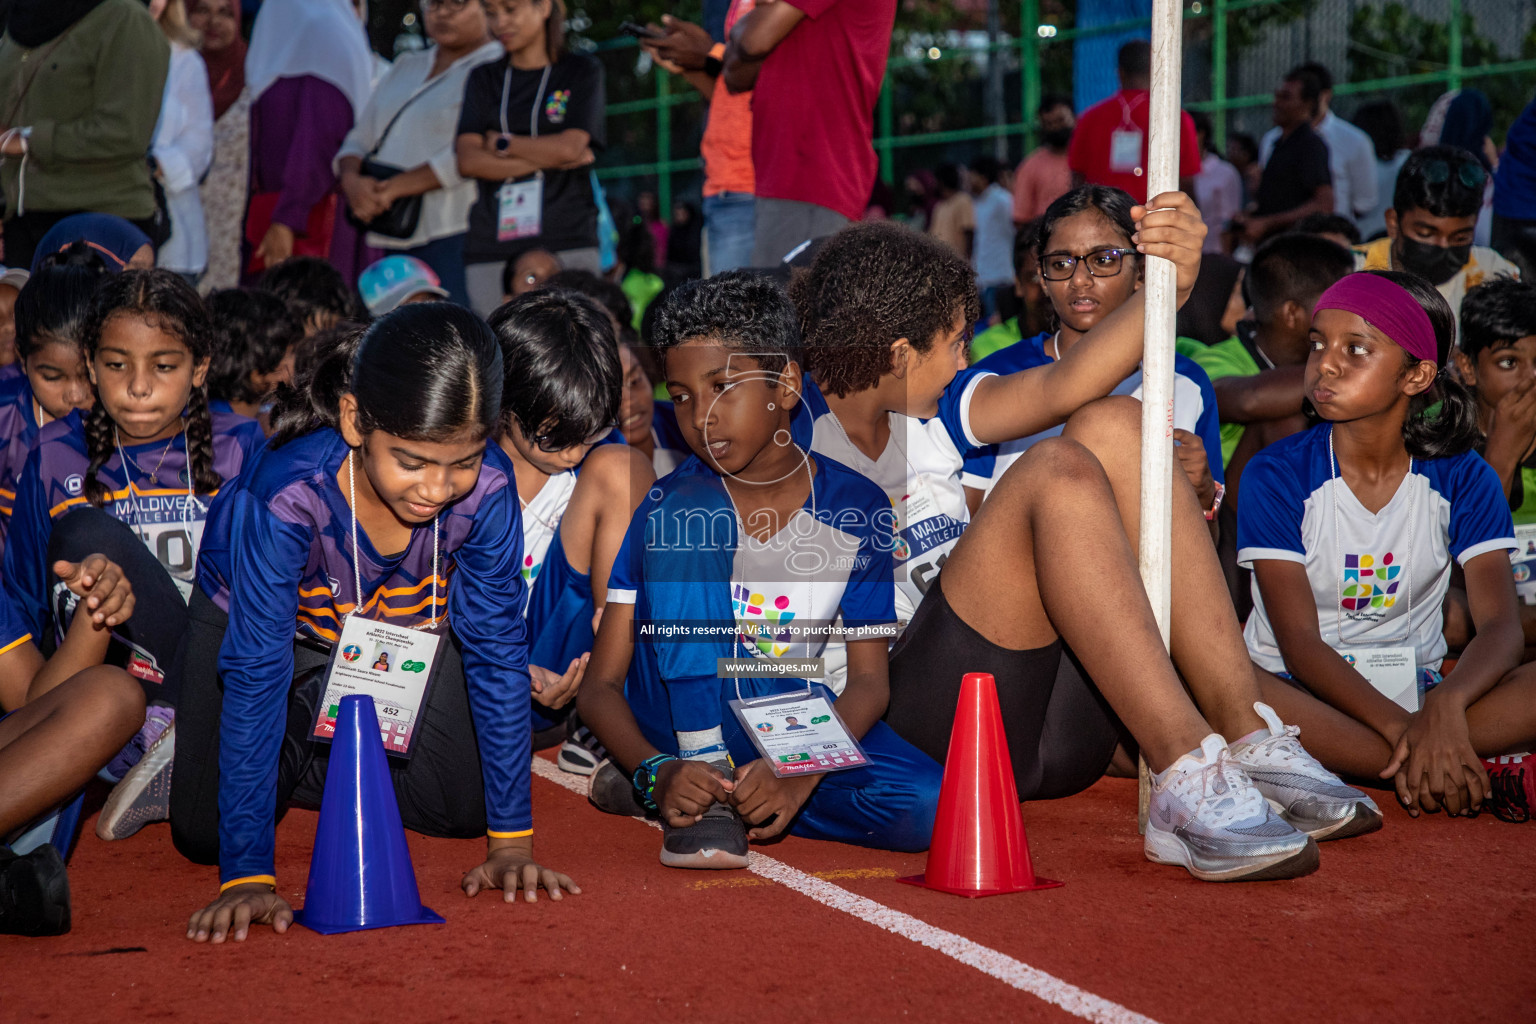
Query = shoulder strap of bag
x=411 y=99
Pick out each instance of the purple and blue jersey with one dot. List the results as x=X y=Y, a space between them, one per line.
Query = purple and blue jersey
x=152 y=496
x=282 y=541
x=18 y=436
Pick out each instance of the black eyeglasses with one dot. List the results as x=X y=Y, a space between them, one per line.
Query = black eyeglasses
x=1060 y=266
x=1469 y=173
x=543 y=443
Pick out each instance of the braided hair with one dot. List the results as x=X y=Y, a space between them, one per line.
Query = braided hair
x=166 y=302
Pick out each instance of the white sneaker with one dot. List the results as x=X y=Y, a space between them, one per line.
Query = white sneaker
x=1306 y=794
x=144 y=794
x=1206 y=816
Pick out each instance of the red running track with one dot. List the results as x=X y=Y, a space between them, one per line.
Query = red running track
x=1429 y=920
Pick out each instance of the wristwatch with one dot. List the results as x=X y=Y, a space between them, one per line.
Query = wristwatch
x=714 y=61
x=644 y=778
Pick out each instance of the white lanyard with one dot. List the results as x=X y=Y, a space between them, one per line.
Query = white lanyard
x=357 y=573
x=1338 y=541
x=742 y=538
x=506 y=92
x=133 y=504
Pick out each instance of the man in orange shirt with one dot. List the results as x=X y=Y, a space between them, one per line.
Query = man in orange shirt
x=729 y=216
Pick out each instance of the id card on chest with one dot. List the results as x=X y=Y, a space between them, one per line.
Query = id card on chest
x=799 y=734
x=392 y=664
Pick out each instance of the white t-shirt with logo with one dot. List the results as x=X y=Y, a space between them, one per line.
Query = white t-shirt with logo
x=1378 y=580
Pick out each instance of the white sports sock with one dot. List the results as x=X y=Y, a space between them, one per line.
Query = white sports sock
x=703 y=745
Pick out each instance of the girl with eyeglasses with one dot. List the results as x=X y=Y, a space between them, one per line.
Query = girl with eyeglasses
x=1048 y=563
x=578 y=483
x=1088 y=269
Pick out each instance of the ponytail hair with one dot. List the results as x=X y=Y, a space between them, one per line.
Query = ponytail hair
x=1442 y=421
x=425 y=371
x=165 y=301
x=52 y=304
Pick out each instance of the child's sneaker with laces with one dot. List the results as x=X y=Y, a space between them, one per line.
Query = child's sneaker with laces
x=1512 y=795
x=1206 y=815
x=717 y=841
x=144 y=794
x=1306 y=794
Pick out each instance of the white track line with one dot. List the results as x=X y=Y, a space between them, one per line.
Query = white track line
x=988 y=961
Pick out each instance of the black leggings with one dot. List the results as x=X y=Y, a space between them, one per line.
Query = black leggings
x=147 y=643
x=1061 y=732
x=440 y=790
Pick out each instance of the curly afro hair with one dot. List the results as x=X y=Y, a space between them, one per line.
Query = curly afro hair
x=870 y=285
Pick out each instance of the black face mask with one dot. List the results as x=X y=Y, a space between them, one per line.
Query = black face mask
x=1436 y=264
x=1056 y=138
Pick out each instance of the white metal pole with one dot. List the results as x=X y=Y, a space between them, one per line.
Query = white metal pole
x=1157 y=362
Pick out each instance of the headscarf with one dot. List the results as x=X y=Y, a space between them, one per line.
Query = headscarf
x=1200 y=317
x=115 y=238
x=226 y=67
x=1468 y=120
x=1434 y=121
x=318 y=38
x=35 y=22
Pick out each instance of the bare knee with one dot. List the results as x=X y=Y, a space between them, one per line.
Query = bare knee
x=1115 y=420
x=111 y=700
x=1050 y=470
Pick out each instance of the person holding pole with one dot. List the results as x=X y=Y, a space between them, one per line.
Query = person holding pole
x=884 y=316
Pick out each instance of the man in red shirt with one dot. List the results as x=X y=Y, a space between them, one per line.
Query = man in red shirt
x=1109 y=146
x=816 y=66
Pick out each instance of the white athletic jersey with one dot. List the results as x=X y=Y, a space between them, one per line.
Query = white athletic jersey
x=541 y=518
x=920 y=472
x=1379 y=579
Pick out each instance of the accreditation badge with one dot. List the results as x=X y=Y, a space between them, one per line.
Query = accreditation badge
x=392 y=664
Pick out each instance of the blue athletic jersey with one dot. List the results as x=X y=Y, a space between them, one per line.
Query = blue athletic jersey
x=1194 y=410
x=13 y=631
x=698 y=588
x=160 y=508
x=10 y=371
x=289 y=560
x=559 y=607
x=18 y=437
x=1378 y=579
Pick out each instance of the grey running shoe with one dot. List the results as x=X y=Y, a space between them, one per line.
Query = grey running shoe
x=144 y=795
x=718 y=841
x=610 y=790
x=1206 y=816
x=581 y=754
x=1301 y=790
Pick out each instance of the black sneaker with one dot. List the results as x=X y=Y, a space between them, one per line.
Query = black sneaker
x=611 y=791
x=717 y=841
x=34 y=892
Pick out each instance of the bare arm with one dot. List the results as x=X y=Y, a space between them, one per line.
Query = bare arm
x=1267 y=395
x=1287 y=595
x=753 y=39
x=477 y=160
x=1026 y=402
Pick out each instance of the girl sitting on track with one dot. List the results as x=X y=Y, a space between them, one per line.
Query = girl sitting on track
x=55 y=383
x=134 y=485
x=762 y=544
x=1088 y=268
x=560 y=399
x=1350 y=529
x=884 y=314
x=381 y=494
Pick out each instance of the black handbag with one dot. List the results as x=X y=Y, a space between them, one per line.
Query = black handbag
x=404 y=214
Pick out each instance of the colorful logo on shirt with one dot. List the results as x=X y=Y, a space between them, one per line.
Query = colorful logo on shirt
x=1370 y=582
x=530 y=570
x=74 y=483
x=351 y=652
x=766 y=634
x=554 y=107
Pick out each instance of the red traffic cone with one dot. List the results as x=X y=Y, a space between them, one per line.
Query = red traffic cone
x=978 y=846
x=360 y=873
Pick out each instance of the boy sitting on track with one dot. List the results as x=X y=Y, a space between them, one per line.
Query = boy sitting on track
x=790 y=544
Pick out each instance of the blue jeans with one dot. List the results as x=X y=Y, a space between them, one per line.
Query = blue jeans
x=446 y=258
x=730 y=221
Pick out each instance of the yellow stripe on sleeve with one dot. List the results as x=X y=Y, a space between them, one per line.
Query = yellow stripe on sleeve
x=16 y=643
x=509 y=835
x=265 y=879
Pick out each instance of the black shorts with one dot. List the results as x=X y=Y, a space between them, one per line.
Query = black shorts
x=1061 y=732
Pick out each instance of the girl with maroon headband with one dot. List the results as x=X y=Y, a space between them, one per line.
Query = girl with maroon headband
x=1350 y=529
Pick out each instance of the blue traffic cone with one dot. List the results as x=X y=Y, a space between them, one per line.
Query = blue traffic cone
x=360 y=873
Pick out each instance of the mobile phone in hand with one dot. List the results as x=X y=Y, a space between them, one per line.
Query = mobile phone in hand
x=629 y=28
